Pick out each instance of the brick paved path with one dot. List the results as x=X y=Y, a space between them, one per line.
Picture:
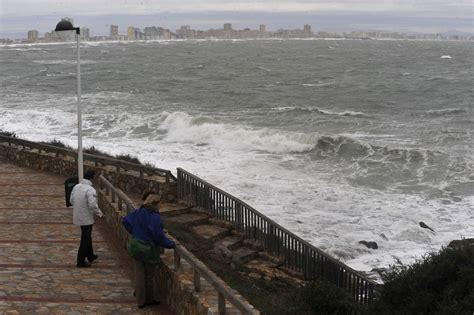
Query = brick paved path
x=38 y=248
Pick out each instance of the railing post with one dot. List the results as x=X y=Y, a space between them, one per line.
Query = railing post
x=197 y=280
x=221 y=301
x=238 y=216
x=177 y=260
x=119 y=203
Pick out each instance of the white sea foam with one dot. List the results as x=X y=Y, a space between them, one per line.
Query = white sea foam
x=181 y=127
x=446 y=57
x=321 y=111
x=344 y=113
x=445 y=111
x=27 y=49
x=64 y=62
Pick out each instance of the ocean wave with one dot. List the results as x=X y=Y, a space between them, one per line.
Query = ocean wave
x=286 y=109
x=445 y=112
x=409 y=170
x=182 y=127
x=344 y=113
x=65 y=62
x=26 y=49
x=319 y=84
x=263 y=68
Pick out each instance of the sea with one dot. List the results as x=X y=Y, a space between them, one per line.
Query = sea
x=339 y=141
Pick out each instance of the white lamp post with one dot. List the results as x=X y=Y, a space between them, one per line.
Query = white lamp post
x=65 y=25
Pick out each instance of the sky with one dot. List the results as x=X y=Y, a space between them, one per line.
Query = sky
x=424 y=16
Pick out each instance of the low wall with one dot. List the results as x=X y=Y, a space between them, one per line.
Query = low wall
x=129 y=181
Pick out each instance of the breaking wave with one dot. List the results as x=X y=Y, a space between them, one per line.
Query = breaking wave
x=445 y=112
x=410 y=170
x=321 y=111
x=182 y=127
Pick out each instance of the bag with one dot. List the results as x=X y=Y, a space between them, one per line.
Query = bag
x=144 y=251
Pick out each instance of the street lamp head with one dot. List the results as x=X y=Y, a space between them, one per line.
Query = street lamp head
x=65 y=25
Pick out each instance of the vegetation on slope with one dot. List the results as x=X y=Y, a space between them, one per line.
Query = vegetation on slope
x=440 y=283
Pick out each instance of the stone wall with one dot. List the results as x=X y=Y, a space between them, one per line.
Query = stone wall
x=128 y=181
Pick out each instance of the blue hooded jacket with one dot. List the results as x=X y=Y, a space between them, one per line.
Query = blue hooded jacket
x=146 y=225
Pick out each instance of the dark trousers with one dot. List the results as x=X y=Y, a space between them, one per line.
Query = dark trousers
x=85 y=248
x=144 y=274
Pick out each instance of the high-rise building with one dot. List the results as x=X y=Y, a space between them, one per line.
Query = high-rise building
x=151 y=32
x=113 y=31
x=47 y=37
x=33 y=35
x=307 y=31
x=263 y=29
x=138 y=34
x=228 y=27
x=131 y=33
x=85 y=33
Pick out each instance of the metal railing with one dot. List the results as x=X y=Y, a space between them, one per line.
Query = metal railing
x=294 y=253
x=199 y=268
x=96 y=159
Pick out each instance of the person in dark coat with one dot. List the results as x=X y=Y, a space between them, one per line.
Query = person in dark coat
x=146 y=228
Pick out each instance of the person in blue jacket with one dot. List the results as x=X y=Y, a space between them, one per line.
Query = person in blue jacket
x=146 y=228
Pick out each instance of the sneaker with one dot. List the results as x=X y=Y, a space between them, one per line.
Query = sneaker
x=94 y=257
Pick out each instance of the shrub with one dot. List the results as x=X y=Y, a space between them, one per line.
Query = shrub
x=322 y=297
x=57 y=143
x=439 y=283
x=128 y=158
x=7 y=133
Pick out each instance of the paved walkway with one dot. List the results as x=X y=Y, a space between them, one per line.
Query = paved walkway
x=38 y=248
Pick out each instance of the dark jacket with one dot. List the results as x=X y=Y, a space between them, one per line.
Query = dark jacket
x=146 y=225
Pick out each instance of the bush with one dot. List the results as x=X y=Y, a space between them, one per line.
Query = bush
x=56 y=143
x=322 y=297
x=7 y=133
x=128 y=158
x=440 y=283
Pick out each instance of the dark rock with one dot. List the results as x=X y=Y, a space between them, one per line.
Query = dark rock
x=423 y=225
x=459 y=244
x=371 y=245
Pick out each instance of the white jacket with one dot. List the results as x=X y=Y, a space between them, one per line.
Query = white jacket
x=84 y=202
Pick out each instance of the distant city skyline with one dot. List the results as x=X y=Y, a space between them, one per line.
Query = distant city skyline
x=421 y=16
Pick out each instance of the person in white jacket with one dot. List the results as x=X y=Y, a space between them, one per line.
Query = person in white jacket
x=84 y=202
